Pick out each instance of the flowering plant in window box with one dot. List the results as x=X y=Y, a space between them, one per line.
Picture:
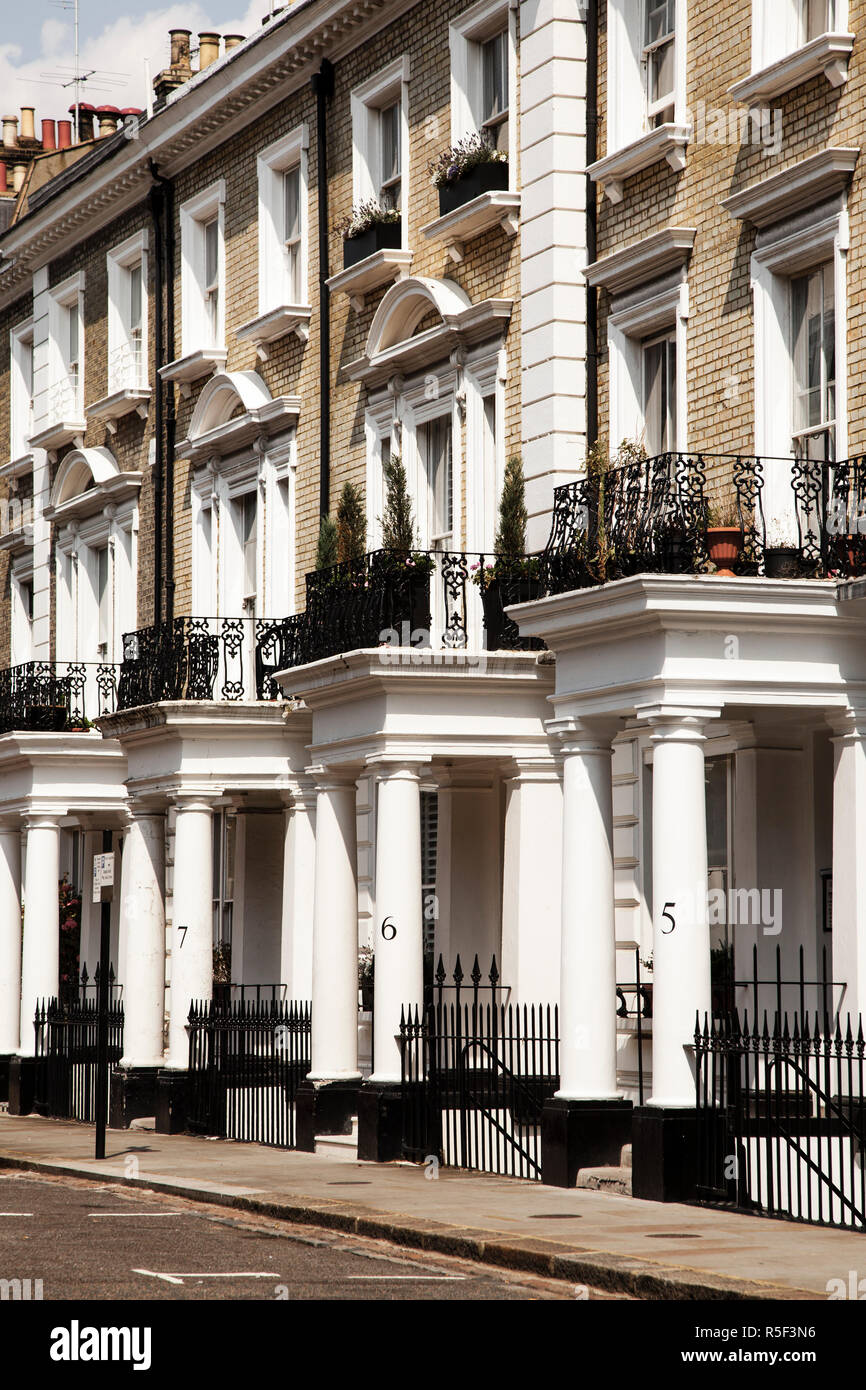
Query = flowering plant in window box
x=369 y=228
x=471 y=167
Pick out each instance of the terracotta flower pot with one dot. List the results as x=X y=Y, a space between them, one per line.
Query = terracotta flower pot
x=724 y=544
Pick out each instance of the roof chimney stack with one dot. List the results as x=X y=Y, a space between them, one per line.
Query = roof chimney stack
x=10 y=131
x=108 y=119
x=86 y=113
x=208 y=50
x=64 y=135
x=49 y=140
x=232 y=41
x=179 y=69
x=180 y=48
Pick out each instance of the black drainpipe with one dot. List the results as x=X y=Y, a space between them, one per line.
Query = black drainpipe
x=592 y=121
x=323 y=86
x=162 y=211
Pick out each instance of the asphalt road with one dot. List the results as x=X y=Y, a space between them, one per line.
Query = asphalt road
x=91 y=1241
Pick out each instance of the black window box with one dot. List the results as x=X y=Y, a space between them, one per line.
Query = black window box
x=383 y=236
x=484 y=178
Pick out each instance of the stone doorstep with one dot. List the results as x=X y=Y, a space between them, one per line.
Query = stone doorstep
x=608 y=1178
x=343 y=1147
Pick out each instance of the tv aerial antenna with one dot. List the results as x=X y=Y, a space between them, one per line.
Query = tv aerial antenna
x=66 y=76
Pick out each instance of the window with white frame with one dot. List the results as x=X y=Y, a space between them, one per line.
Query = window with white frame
x=659 y=60
x=647 y=341
x=22 y=610
x=243 y=556
x=96 y=589
x=781 y=27
x=21 y=389
x=380 y=138
x=436 y=448
x=483 y=72
x=815 y=17
x=127 y=315
x=283 y=222
x=247 y=522
x=202 y=222
x=813 y=356
x=660 y=394
x=66 y=350
x=646 y=77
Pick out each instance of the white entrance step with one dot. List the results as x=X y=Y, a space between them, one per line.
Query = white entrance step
x=339 y=1146
x=605 y=1180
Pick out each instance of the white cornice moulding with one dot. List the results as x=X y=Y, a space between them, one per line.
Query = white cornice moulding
x=475 y=324
x=829 y=53
x=643 y=261
x=802 y=186
x=276 y=324
x=499 y=207
x=272 y=418
x=185 y=370
x=666 y=142
x=111 y=408
x=370 y=274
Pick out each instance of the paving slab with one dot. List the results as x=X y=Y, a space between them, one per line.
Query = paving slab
x=613 y=1242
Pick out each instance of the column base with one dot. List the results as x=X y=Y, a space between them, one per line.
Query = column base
x=664 y=1154
x=579 y=1134
x=380 y=1121
x=324 y=1107
x=22 y=1085
x=5 y=1063
x=132 y=1095
x=172 y=1101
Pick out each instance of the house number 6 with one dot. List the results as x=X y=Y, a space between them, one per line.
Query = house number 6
x=389 y=931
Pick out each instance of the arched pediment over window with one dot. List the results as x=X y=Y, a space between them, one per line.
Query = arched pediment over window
x=233 y=409
x=398 y=341
x=87 y=480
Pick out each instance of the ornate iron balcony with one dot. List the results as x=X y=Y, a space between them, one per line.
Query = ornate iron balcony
x=790 y=517
x=444 y=601
x=201 y=659
x=56 y=696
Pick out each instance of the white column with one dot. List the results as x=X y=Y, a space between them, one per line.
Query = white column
x=40 y=955
x=532 y=882
x=142 y=940
x=192 y=920
x=588 y=946
x=399 y=942
x=299 y=883
x=334 y=1039
x=849 y=862
x=681 y=934
x=10 y=936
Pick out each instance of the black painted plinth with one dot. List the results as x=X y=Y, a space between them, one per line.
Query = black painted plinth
x=172 y=1093
x=324 y=1107
x=5 y=1061
x=22 y=1085
x=664 y=1154
x=132 y=1095
x=380 y=1122
x=579 y=1134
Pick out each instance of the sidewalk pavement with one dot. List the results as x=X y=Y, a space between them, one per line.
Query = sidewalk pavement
x=611 y=1242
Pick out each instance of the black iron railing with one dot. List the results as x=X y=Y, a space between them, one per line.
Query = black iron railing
x=781 y=1116
x=475 y=1076
x=447 y=601
x=84 y=988
x=247 y=1059
x=634 y=1000
x=66 y=1055
x=53 y=696
x=201 y=659
x=791 y=517
x=224 y=994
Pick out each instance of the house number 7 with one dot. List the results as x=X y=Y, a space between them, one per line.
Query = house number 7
x=389 y=931
x=666 y=931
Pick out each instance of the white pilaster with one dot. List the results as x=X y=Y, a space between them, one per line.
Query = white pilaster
x=849 y=861
x=588 y=945
x=299 y=882
x=532 y=882
x=10 y=936
x=399 y=942
x=40 y=954
x=142 y=940
x=334 y=1040
x=681 y=934
x=192 y=920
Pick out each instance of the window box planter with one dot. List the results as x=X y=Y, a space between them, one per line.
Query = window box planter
x=500 y=593
x=724 y=544
x=484 y=178
x=782 y=562
x=380 y=237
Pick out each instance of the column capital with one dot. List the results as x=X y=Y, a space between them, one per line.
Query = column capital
x=683 y=723
x=42 y=820
x=194 y=799
x=398 y=768
x=300 y=792
x=540 y=769
x=849 y=724
x=331 y=779
x=589 y=736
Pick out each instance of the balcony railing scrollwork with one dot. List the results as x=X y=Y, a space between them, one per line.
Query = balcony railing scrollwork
x=56 y=696
x=201 y=659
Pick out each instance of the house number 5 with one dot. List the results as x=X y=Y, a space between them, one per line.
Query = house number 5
x=666 y=931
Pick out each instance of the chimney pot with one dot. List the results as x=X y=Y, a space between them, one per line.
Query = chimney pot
x=180 y=48
x=64 y=135
x=10 y=131
x=108 y=120
x=86 y=113
x=49 y=139
x=18 y=172
x=28 y=122
x=232 y=41
x=2 y=176
x=208 y=50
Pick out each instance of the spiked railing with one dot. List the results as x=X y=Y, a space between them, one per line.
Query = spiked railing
x=54 y=696
x=201 y=659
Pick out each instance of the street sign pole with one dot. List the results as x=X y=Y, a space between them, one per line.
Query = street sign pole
x=99 y=881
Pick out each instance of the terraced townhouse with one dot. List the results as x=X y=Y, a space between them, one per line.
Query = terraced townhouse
x=613 y=783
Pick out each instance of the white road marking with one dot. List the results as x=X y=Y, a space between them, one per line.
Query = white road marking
x=424 y=1278
x=16 y=1213
x=179 y=1278
x=138 y=1213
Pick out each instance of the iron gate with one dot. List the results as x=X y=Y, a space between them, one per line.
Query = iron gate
x=247 y=1058
x=66 y=1055
x=475 y=1076
x=781 y=1122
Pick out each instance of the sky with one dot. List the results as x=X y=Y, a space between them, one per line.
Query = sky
x=116 y=37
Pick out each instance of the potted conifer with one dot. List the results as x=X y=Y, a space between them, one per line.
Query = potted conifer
x=514 y=576
x=402 y=570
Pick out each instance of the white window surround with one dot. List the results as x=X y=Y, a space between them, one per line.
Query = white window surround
x=658 y=306
x=466 y=33
x=202 y=351
x=797 y=188
x=20 y=392
x=631 y=144
x=128 y=389
x=781 y=61
x=63 y=418
x=389 y=85
x=280 y=311
x=21 y=625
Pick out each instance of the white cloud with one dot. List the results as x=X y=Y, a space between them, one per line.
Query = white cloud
x=122 y=47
